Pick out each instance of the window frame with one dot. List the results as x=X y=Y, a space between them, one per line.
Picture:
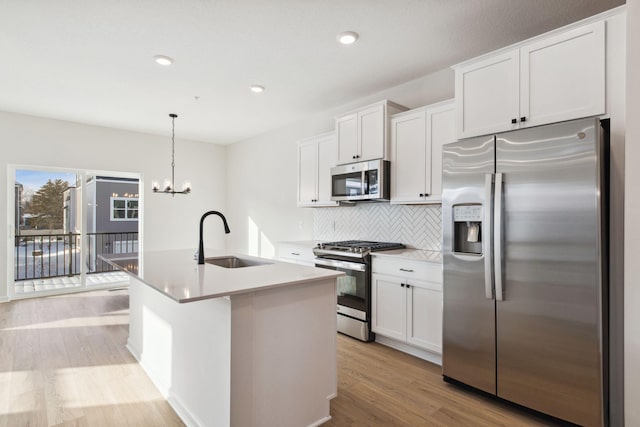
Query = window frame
x=126 y=209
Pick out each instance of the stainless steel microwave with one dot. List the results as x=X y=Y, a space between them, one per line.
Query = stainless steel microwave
x=361 y=181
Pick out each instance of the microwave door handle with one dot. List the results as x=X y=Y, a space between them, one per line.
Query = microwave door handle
x=365 y=184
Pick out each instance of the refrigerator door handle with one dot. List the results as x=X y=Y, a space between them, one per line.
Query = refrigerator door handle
x=488 y=236
x=497 y=238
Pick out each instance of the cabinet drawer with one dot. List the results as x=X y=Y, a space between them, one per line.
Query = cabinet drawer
x=295 y=253
x=408 y=269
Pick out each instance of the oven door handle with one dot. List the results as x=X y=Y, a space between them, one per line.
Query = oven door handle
x=355 y=266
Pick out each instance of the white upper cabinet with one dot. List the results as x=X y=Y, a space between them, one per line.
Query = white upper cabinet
x=362 y=135
x=417 y=137
x=487 y=95
x=563 y=77
x=550 y=79
x=347 y=134
x=316 y=157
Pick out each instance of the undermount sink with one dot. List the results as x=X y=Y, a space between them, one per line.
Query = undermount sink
x=234 y=262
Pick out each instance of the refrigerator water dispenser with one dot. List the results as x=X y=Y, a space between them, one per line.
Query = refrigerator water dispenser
x=467 y=229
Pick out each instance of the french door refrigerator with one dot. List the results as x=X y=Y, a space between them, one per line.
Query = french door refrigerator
x=524 y=250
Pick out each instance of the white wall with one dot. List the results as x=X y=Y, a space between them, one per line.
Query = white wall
x=168 y=222
x=632 y=225
x=262 y=171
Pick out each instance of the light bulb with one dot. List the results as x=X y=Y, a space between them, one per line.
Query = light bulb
x=163 y=60
x=348 y=37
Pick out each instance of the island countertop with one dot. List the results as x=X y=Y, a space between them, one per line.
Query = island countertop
x=177 y=275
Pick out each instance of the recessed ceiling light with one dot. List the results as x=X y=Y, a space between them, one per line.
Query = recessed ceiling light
x=257 y=88
x=163 y=60
x=348 y=37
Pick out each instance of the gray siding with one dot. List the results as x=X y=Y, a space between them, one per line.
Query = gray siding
x=104 y=191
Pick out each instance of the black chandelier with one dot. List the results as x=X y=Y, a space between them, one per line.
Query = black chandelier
x=170 y=186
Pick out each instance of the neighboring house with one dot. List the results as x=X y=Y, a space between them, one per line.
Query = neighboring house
x=112 y=205
x=111 y=211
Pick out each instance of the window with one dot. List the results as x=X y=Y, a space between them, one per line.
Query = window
x=124 y=209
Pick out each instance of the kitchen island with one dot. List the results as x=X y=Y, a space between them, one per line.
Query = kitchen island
x=247 y=346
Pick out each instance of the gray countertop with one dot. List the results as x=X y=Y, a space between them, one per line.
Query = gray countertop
x=177 y=275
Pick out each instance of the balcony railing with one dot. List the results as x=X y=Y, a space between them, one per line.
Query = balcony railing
x=43 y=256
x=108 y=243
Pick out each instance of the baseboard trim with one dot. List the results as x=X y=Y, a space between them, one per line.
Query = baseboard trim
x=4 y=299
x=183 y=413
x=409 y=349
x=320 y=422
x=164 y=391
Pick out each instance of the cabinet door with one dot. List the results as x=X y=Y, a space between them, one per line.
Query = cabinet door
x=563 y=77
x=347 y=138
x=424 y=316
x=371 y=133
x=410 y=156
x=307 y=174
x=388 y=307
x=326 y=160
x=487 y=95
x=441 y=130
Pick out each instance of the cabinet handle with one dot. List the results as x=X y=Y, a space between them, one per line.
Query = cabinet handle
x=295 y=253
x=408 y=286
x=514 y=121
x=523 y=119
x=421 y=195
x=402 y=284
x=406 y=270
x=353 y=157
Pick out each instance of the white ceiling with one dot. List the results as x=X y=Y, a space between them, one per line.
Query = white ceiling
x=91 y=61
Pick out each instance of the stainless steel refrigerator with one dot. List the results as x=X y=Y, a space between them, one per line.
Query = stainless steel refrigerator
x=524 y=252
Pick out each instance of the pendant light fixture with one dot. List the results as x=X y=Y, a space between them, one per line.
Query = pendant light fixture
x=170 y=186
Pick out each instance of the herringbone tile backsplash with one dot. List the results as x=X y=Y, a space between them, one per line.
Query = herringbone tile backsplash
x=417 y=226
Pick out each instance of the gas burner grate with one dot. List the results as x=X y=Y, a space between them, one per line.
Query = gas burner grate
x=363 y=244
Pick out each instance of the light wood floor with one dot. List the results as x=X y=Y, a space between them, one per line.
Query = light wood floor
x=63 y=363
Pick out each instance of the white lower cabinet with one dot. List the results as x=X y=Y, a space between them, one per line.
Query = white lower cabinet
x=389 y=301
x=297 y=252
x=407 y=302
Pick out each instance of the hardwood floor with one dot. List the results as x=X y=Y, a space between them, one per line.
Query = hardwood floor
x=380 y=386
x=63 y=363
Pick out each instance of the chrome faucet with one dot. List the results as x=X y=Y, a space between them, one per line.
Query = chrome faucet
x=201 y=245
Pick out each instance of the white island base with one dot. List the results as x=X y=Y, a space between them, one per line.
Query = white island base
x=262 y=358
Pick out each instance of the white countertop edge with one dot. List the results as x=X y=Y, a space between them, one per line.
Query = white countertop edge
x=411 y=254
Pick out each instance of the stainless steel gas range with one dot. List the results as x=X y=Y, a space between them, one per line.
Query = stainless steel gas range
x=353 y=257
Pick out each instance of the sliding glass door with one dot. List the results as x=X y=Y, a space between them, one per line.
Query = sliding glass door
x=66 y=223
